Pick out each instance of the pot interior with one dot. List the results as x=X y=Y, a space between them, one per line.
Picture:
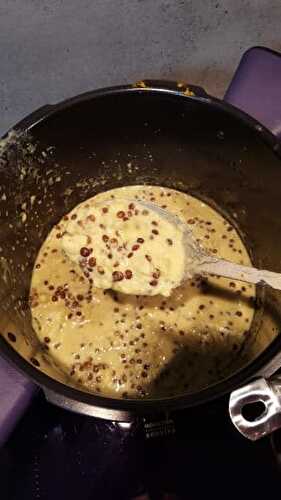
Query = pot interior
x=104 y=141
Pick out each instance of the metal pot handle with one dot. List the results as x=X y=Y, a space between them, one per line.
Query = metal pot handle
x=267 y=392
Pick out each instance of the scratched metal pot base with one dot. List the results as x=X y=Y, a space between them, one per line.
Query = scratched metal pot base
x=133 y=346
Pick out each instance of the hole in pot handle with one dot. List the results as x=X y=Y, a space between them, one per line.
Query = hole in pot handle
x=267 y=392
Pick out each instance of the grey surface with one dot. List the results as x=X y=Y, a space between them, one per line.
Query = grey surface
x=53 y=49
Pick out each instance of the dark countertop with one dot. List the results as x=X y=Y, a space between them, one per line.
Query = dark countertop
x=55 y=454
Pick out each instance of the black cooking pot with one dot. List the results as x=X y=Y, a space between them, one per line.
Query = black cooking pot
x=160 y=133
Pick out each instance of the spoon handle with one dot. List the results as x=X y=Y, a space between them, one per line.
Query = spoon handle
x=230 y=270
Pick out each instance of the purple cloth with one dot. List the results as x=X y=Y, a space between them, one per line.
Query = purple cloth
x=256 y=87
x=16 y=392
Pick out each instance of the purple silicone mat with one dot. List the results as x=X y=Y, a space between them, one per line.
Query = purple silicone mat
x=256 y=89
x=16 y=392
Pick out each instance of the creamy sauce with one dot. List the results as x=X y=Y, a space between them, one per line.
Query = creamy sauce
x=136 y=346
x=126 y=247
